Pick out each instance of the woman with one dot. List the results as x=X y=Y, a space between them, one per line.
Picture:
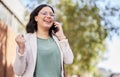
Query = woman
x=42 y=51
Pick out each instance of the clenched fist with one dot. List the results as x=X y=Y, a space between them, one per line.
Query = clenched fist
x=20 y=40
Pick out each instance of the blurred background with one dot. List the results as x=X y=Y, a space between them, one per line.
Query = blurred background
x=92 y=27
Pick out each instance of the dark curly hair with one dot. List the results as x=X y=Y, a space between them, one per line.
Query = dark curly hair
x=31 y=27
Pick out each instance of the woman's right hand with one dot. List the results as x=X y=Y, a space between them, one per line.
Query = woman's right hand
x=20 y=40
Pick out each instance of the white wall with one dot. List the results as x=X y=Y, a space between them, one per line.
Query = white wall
x=17 y=8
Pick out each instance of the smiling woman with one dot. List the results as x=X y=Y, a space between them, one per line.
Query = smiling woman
x=42 y=52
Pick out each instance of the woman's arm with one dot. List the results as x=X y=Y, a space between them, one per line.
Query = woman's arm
x=64 y=45
x=67 y=52
x=20 y=63
x=21 y=52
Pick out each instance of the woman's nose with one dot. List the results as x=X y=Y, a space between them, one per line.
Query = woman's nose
x=49 y=16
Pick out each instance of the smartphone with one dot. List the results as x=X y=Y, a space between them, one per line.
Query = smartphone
x=55 y=29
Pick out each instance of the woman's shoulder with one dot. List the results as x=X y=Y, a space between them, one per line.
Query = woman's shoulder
x=29 y=35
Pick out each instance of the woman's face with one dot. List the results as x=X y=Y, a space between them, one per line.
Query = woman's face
x=45 y=17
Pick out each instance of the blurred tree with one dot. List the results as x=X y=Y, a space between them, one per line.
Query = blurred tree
x=110 y=14
x=81 y=24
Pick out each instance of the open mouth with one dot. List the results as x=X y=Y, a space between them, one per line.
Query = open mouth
x=47 y=21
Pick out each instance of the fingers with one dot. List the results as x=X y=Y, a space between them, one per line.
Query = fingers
x=57 y=24
x=20 y=40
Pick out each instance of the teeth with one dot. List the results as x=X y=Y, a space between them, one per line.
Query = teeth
x=47 y=22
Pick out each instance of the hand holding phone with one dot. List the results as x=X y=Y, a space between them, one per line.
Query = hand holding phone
x=54 y=28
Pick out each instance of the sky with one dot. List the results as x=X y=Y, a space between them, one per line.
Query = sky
x=113 y=46
x=112 y=55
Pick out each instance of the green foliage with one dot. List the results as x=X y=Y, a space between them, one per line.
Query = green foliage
x=85 y=33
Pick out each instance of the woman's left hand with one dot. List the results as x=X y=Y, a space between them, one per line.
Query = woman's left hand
x=60 y=34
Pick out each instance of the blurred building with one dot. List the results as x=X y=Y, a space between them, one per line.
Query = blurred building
x=104 y=73
x=115 y=75
x=12 y=22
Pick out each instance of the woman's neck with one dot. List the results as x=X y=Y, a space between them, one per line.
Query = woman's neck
x=42 y=34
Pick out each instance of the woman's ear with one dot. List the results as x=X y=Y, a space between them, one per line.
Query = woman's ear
x=36 y=18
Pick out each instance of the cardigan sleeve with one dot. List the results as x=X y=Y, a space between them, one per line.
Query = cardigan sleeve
x=67 y=52
x=20 y=62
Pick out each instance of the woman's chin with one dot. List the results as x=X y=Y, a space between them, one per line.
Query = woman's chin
x=47 y=25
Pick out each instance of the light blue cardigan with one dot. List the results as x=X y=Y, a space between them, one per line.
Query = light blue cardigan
x=24 y=65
